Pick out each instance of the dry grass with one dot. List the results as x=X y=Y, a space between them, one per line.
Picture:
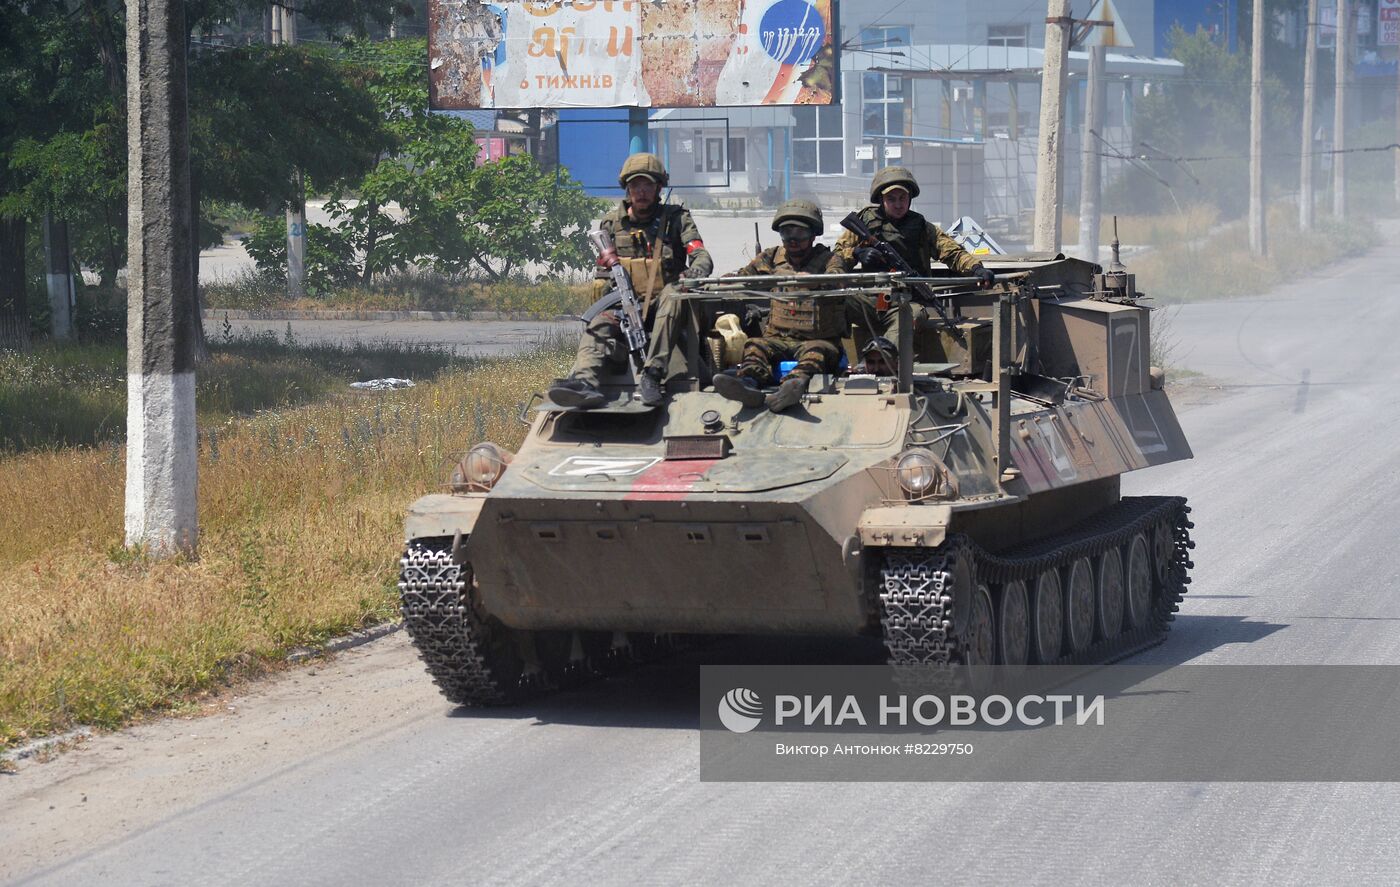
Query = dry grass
x=1195 y=258
x=300 y=516
x=412 y=290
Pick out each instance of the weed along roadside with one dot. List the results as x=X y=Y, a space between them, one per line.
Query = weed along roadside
x=300 y=516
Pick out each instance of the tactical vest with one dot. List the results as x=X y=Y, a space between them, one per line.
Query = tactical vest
x=649 y=269
x=808 y=317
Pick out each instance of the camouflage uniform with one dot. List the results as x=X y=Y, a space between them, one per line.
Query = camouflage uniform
x=915 y=238
x=636 y=240
x=796 y=327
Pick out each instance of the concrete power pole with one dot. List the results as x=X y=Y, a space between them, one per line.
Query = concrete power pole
x=1305 y=172
x=1050 y=155
x=161 y=465
x=1339 y=118
x=1091 y=167
x=59 y=277
x=284 y=29
x=1258 y=233
x=1397 y=128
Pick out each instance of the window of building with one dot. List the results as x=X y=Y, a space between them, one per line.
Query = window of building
x=737 y=155
x=714 y=155
x=1008 y=35
x=697 y=148
x=884 y=37
x=817 y=147
x=883 y=110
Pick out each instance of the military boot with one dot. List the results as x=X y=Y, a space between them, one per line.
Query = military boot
x=740 y=388
x=789 y=394
x=575 y=394
x=649 y=387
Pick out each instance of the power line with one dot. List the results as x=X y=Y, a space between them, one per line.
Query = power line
x=1168 y=159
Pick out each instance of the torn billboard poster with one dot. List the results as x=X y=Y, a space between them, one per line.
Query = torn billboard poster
x=630 y=53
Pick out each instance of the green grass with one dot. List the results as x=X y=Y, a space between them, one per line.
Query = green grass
x=65 y=395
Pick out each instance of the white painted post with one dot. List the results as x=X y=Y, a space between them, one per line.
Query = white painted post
x=59 y=277
x=161 y=463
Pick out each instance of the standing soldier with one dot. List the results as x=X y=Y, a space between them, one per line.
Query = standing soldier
x=914 y=237
x=654 y=242
x=807 y=327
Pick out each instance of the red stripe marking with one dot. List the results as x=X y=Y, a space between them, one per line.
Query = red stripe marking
x=669 y=481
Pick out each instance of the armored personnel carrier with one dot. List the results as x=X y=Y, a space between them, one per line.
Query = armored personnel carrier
x=965 y=506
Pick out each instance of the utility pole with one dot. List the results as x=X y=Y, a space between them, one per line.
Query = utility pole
x=1091 y=165
x=284 y=30
x=1397 y=126
x=1339 y=117
x=1050 y=155
x=59 y=277
x=161 y=454
x=1305 y=172
x=1258 y=233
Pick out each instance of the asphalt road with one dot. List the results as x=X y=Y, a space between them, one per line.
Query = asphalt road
x=355 y=771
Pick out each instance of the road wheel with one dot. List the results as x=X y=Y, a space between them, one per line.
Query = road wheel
x=1079 y=605
x=981 y=647
x=1014 y=625
x=1110 y=594
x=1049 y=622
x=1163 y=551
x=1138 y=582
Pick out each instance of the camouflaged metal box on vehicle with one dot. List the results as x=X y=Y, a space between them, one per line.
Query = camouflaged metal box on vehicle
x=966 y=509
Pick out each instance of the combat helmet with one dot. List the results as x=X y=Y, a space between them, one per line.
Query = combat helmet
x=648 y=165
x=797 y=210
x=893 y=175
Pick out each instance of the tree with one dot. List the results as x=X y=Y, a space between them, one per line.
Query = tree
x=458 y=216
x=1206 y=114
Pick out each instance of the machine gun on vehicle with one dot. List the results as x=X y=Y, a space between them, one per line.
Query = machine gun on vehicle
x=629 y=311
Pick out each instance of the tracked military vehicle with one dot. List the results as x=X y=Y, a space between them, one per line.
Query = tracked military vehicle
x=964 y=507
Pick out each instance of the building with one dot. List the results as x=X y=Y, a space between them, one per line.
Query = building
x=953 y=94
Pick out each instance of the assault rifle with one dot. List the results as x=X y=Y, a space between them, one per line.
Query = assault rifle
x=854 y=224
x=629 y=313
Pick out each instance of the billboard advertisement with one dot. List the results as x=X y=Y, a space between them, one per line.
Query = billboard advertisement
x=630 y=53
x=1388 y=15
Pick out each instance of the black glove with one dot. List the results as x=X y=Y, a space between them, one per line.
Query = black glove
x=871 y=259
x=755 y=316
x=985 y=277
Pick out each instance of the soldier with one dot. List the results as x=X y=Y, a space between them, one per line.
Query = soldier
x=808 y=328
x=915 y=238
x=654 y=242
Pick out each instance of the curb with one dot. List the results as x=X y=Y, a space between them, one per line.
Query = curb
x=333 y=314
x=48 y=742
x=300 y=654
x=346 y=642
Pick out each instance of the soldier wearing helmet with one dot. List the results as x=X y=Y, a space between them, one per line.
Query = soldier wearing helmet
x=914 y=237
x=808 y=328
x=655 y=242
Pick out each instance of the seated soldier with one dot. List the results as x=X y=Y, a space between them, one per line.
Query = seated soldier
x=808 y=327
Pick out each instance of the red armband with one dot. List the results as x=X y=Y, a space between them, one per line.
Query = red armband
x=693 y=246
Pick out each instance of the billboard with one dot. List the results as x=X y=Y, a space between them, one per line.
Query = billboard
x=1388 y=13
x=630 y=53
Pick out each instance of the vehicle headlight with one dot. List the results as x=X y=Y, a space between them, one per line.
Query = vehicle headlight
x=480 y=468
x=921 y=475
